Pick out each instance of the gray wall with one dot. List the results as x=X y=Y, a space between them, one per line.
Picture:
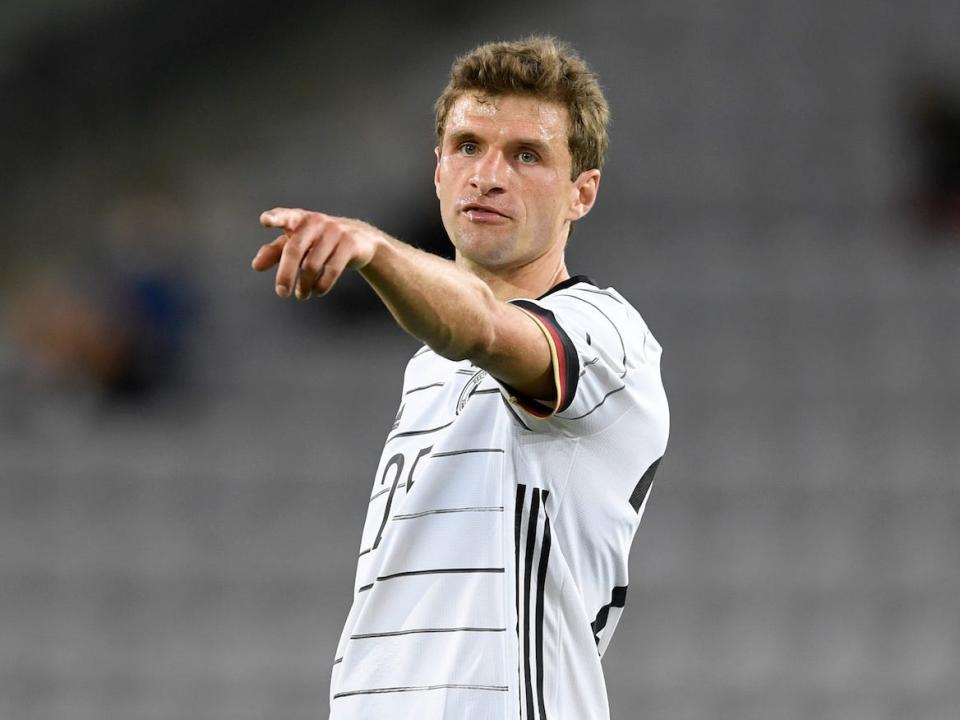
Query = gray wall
x=190 y=555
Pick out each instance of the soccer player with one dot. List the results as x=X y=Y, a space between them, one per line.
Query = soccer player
x=492 y=569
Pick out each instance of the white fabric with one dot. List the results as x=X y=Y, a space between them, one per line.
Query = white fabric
x=445 y=623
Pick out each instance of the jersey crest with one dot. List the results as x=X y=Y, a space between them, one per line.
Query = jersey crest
x=470 y=388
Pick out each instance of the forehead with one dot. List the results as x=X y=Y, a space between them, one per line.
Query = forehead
x=507 y=117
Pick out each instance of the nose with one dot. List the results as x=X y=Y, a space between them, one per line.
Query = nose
x=489 y=173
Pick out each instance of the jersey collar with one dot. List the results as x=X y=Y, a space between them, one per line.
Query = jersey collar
x=564 y=284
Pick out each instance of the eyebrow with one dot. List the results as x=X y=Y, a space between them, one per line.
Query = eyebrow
x=459 y=136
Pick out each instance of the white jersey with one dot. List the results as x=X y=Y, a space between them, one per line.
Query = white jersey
x=493 y=563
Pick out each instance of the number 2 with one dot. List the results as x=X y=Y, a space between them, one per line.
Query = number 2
x=398 y=462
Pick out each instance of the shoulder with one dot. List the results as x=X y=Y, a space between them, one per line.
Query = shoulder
x=586 y=307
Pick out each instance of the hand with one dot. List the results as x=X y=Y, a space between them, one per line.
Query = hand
x=314 y=249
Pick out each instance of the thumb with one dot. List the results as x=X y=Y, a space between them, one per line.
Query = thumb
x=269 y=255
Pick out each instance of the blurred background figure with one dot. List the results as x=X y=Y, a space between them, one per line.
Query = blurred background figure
x=936 y=134
x=116 y=314
x=188 y=552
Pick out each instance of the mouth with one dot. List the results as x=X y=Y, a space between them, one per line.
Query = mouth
x=478 y=212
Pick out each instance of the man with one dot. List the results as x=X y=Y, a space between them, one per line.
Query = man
x=493 y=562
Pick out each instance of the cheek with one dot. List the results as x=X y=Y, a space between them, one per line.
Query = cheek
x=446 y=179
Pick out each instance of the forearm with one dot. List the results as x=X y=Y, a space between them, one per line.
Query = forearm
x=451 y=310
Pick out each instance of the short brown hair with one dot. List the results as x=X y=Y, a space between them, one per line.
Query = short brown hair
x=541 y=67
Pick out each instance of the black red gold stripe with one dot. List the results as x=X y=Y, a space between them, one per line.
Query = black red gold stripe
x=566 y=361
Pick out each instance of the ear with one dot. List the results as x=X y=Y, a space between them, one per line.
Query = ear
x=436 y=171
x=583 y=194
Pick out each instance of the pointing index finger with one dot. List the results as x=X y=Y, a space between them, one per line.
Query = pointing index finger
x=280 y=217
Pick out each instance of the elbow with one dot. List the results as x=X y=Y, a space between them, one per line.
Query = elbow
x=474 y=338
x=475 y=344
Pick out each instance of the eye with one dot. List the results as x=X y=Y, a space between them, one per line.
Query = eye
x=469 y=148
x=527 y=157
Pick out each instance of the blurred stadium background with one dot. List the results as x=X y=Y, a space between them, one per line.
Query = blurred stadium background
x=185 y=459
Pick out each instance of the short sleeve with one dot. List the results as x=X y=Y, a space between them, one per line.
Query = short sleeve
x=606 y=361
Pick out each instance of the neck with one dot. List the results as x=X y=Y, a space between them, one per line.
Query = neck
x=530 y=280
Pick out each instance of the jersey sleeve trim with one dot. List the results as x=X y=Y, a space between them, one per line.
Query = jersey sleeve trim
x=564 y=358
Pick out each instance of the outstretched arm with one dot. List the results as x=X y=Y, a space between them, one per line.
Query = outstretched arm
x=448 y=308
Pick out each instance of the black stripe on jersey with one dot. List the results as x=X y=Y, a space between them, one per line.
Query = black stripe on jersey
x=448 y=453
x=424 y=387
x=394 y=633
x=487 y=391
x=378 y=493
x=439 y=511
x=567 y=355
x=517 y=520
x=531 y=623
x=616 y=329
x=595 y=407
x=597 y=291
x=374 y=691
x=588 y=363
x=410 y=433
x=468 y=371
x=639 y=493
x=527 y=569
x=437 y=571
x=618 y=599
x=541 y=584
x=569 y=282
x=338 y=660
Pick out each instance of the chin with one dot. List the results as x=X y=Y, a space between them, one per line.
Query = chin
x=484 y=248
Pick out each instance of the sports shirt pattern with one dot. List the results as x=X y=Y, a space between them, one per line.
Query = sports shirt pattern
x=492 y=569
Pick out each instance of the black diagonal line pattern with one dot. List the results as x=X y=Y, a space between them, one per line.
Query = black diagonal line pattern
x=437 y=571
x=466 y=451
x=440 y=511
x=379 y=493
x=618 y=599
x=433 y=571
x=410 y=433
x=639 y=493
x=424 y=387
x=418 y=631
x=596 y=292
x=420 y=688
x=588 y=363
x=623 y=346
x=595 y=407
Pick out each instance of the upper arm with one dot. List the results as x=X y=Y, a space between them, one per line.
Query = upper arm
x=604 y=362
x=521 y=355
